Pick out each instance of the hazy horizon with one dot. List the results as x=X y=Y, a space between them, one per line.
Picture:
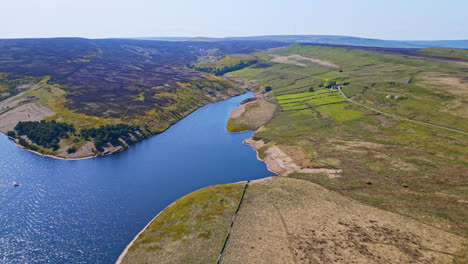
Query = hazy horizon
x=395 y=20
x=245 y=36
x=240 y=36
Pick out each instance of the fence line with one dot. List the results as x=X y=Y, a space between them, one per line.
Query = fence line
x=232 y=223
x=401 y=118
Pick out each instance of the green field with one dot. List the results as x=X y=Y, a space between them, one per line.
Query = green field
x=309 y=100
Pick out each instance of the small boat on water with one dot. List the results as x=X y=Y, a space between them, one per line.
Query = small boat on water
x=15 y=184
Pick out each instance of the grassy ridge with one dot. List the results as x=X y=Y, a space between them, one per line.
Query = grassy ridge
x=195 y=224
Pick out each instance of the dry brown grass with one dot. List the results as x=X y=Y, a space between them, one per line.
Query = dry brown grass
x=29 y=111
x=295 y=60
x=454 y=84
x=22 y=108
x=284 y=220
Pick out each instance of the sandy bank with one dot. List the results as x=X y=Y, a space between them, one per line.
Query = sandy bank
x=277 y=161
x=49 y=156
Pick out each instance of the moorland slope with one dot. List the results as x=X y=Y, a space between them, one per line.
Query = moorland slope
x=112 y=91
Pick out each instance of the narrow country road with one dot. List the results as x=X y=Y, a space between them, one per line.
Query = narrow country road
x=401 y=118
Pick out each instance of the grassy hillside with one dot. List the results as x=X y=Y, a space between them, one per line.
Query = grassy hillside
x=191 y=230
x=404 y=167
x=89 y=83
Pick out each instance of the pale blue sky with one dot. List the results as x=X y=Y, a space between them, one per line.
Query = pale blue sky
x=385 y=19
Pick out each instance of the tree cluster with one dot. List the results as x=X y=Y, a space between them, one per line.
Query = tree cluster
x=329 y=84
x=218 y=71
x=109 y=134
x=44 y=133
x=26 y=144
x=71 y=150
x=11 y=134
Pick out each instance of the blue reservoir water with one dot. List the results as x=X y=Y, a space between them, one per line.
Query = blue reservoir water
x=87 y=211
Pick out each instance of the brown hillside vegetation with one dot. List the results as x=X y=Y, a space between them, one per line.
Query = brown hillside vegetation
x=284 y=220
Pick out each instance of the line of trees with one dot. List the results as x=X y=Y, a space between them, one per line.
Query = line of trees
x=109 y=134
x=48 y=134
x=224 y=69
x=44 y=133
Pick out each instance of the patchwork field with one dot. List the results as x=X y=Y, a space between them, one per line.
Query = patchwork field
x=301 y=101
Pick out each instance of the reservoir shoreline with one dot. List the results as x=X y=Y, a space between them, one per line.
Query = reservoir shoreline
x=117 y=150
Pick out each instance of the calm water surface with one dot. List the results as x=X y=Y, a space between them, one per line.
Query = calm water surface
x=87 y=211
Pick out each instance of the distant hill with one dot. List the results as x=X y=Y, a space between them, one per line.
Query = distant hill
x=340 y=40
x=165 y=38
x=459 y=54
x=458 y=44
